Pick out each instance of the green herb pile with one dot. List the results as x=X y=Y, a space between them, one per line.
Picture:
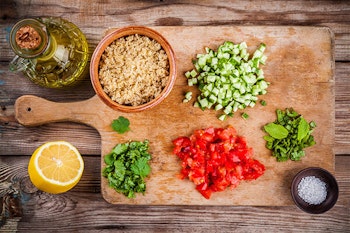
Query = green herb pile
x=127 y=166
x=228 y=79
x=289 y=135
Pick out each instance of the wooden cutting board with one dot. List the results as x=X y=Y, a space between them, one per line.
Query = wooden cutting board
x=300 y=68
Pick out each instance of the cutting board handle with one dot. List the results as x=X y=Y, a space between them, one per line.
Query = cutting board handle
x=32 y=111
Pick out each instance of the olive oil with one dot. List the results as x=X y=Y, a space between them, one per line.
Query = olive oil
x=58 y=59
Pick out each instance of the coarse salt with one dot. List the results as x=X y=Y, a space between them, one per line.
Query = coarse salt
x=312 y=190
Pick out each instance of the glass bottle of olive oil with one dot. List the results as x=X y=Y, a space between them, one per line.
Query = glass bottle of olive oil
x=51 y=52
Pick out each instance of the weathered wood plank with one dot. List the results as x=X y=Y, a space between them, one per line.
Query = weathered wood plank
x=95 y=18
x=85 y=202
x=342 y=108
x=220 y=11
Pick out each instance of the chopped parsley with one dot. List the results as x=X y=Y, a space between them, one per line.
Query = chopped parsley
x=263 y=102
x=127 y=167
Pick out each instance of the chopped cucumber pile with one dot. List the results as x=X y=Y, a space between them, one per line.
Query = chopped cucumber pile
x=228 y=79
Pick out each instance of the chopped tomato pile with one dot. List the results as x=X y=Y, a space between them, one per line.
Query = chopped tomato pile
x=216 y=158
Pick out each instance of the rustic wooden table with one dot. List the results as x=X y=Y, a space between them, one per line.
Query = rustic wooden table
x=25 y=209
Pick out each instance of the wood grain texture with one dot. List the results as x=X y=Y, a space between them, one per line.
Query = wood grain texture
x=93 y=18
x=91 y=213
x=85 y=202
x=342 y=108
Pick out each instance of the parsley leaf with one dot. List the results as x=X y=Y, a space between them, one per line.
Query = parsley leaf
x=121 y=125
x=119 y=169
x=120 y=148
x=141 y=167
x=109 y=159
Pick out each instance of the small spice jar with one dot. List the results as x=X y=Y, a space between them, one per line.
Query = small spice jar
x=51 y=52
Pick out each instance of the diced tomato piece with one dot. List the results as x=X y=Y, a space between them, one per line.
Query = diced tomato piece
x=254 y=170
x=206 y=193
x=210 y=130
x=216 y=158
x=182 y=142
x=226 y=134
x=234 y=180
x=207 y=137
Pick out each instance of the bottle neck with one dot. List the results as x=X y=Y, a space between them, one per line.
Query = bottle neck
x=29 y=38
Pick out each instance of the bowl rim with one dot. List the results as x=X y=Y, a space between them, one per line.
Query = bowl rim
x=111 y=36
x=315 y=209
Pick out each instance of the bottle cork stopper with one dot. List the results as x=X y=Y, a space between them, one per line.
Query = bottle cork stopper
x=28 y=38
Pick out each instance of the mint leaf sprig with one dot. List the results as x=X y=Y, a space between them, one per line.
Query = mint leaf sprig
x=288 y=135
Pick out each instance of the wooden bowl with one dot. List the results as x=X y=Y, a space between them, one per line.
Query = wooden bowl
x=123 y=32
x=331 y=186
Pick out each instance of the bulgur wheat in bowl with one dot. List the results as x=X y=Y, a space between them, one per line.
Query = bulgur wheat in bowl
x=133 y=69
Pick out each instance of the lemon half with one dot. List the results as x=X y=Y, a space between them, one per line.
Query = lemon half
x=55 y=167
